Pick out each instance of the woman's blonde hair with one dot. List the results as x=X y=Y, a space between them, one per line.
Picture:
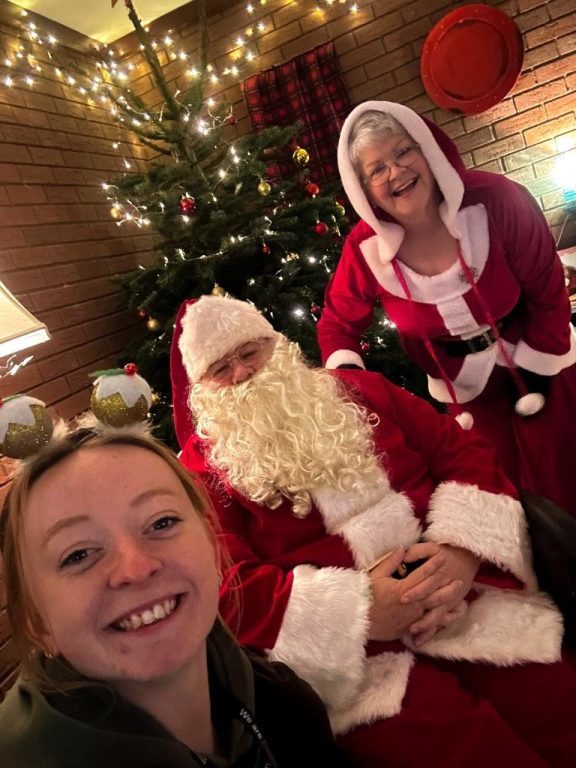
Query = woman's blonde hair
x=24 y=619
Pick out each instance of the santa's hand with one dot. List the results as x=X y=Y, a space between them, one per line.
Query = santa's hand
x=444 y=565
x=389 y=619
x=436 y=619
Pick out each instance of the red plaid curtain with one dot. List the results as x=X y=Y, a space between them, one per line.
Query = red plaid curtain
x=309 y=89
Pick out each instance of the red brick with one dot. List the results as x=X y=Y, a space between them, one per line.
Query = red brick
x=37 y=174
x=25 y=195
x=12 y=153
x=56 y=233
x=408 y=72
x=55 y=390
x=550 y=31
x=9 y=173
x=19 y=134
x=560 y=7
x=549 y=130
x=499 y=112
x=13 y=237
x=522 y=175
x=494 y=166
x=407 y=34
x=57 y=366
x=530 y=155
x=46 y=156
x=540 y=95
x=74 y=405
x=562 y=105
x=557 y=68
x=534 y=18
x=497 y=149
x=17 y=216
x=567 y=43
x=540 y=55
x=519 y=122
x=526 y=5
x=475 y=139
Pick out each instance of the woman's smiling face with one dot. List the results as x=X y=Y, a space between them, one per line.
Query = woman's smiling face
x=120 y=565
x=397 y=178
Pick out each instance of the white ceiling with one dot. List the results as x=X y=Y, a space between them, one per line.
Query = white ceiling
x=96 y=18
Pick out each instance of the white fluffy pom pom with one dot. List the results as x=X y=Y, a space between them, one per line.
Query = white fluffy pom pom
x=466 y=420
x=530 y=404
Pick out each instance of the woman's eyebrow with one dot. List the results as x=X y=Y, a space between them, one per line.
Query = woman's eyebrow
x=65 y=522
x=150 y=493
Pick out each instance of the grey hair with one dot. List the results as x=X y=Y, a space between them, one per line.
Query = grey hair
x=370 y=127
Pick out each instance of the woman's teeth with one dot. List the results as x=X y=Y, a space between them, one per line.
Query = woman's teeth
x=149 y=616
x=404 y=187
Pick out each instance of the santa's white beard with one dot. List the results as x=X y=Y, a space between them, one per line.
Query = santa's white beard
x=287 y=431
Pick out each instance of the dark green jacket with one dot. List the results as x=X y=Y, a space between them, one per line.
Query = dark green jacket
x=92 y=727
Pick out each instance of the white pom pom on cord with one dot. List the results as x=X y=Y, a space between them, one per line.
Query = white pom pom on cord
x=530 y=404
x=465 y=419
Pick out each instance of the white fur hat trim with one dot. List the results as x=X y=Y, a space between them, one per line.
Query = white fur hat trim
x=214 y=326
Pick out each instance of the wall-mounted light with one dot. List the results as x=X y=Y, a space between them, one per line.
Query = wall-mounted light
x=19 y=330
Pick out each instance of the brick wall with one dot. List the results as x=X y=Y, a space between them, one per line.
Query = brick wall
x=60 y=248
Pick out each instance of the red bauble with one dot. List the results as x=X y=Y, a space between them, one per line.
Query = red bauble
x=142 y=313
x=321 y=228
x=365 y=346
x=233 y=120
x=187 y=205
x=265 y=249
x=312 y=189
x=315 y=309
x=130 y=369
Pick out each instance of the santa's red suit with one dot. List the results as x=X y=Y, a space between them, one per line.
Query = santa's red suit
x=519 y=283
x=297 y=590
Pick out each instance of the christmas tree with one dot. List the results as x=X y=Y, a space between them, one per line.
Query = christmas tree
x=240 y=216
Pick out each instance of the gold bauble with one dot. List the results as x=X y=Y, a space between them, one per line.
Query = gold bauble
x=116 y=212
x=23 y=440
x=113 y=410
x=153 y=325
x=218 y=290
x=340 y=210
x=264 y=188
x=300 y=156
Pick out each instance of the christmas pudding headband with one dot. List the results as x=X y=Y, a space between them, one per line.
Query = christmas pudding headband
x=120 y=399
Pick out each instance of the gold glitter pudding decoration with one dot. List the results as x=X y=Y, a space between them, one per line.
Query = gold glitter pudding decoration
x=120 y=396
x=25 y=426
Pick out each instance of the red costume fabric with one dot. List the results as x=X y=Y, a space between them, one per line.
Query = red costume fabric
x=505 y=241
x=297 y=590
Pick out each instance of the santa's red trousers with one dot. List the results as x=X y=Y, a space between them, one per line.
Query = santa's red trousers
x=464 y=715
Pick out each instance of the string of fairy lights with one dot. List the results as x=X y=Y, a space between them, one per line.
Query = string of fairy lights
x=34 y=53
x=22 y=66
x=107 y=85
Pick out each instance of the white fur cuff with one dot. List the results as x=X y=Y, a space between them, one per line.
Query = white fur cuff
x=344 y=357
x=542 y=362
x=490 y=525
x=324 y=630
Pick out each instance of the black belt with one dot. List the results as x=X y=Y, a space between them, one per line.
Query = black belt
x=463 y=347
